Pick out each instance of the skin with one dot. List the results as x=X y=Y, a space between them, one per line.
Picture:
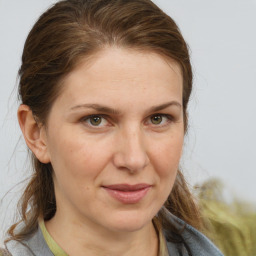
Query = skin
x=126 y=146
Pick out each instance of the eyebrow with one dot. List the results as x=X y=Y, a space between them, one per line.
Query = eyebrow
x=165 y=105
x=108 y=110
x=98 y=107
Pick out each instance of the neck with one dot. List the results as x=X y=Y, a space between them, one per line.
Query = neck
x=87 y=239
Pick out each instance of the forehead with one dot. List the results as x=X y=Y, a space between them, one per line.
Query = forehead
x=119 y=73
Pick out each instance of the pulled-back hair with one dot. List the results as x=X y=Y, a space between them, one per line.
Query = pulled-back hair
x=72 y=30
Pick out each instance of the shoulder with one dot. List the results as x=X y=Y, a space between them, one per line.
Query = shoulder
x=197 y=243
x=33 y=245
x=18 y=248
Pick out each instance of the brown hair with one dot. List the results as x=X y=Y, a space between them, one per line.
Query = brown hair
x=76 y=29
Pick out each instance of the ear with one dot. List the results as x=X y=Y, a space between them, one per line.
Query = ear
x=33 y=133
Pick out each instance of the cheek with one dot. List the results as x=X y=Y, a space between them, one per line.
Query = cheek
x=167 y=156
x=77 y=157
x=166 y=160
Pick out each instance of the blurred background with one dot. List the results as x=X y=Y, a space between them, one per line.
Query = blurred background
x=220 y=145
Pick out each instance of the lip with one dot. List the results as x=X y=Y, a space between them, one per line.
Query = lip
x=126 y=193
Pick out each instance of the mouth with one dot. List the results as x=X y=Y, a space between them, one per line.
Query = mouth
x=126 y=193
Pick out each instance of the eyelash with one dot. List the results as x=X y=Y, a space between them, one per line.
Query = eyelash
x=87 y=120
x=165 y=120
x=168 y=117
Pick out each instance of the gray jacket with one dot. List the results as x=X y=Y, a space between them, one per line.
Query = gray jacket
x=198 y=244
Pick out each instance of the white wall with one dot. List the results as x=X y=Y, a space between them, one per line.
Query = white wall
x=221 y=142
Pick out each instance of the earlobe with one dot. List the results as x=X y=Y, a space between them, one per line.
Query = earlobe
x=33 y=133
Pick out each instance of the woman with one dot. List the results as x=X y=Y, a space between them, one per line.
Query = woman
x=104 y=88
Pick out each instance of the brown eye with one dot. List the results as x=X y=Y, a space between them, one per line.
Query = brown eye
x=95 y=120
x=156 y=119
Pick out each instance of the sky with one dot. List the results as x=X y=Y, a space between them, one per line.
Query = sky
x=221 y=139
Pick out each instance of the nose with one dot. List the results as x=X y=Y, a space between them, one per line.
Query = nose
x=131 y=153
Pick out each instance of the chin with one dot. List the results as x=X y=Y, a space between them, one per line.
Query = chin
x=131 y=222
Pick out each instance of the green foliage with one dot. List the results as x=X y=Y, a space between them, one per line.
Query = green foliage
x=231 y=226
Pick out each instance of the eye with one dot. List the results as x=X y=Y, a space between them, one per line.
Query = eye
x=160 y=119
x=95 y=121
x=157 y=119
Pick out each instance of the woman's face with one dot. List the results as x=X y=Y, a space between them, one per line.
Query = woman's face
x=114 y=137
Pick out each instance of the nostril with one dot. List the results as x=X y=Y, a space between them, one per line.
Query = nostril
x=132 y=163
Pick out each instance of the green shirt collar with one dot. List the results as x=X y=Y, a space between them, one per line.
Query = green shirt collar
x=53 y=246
